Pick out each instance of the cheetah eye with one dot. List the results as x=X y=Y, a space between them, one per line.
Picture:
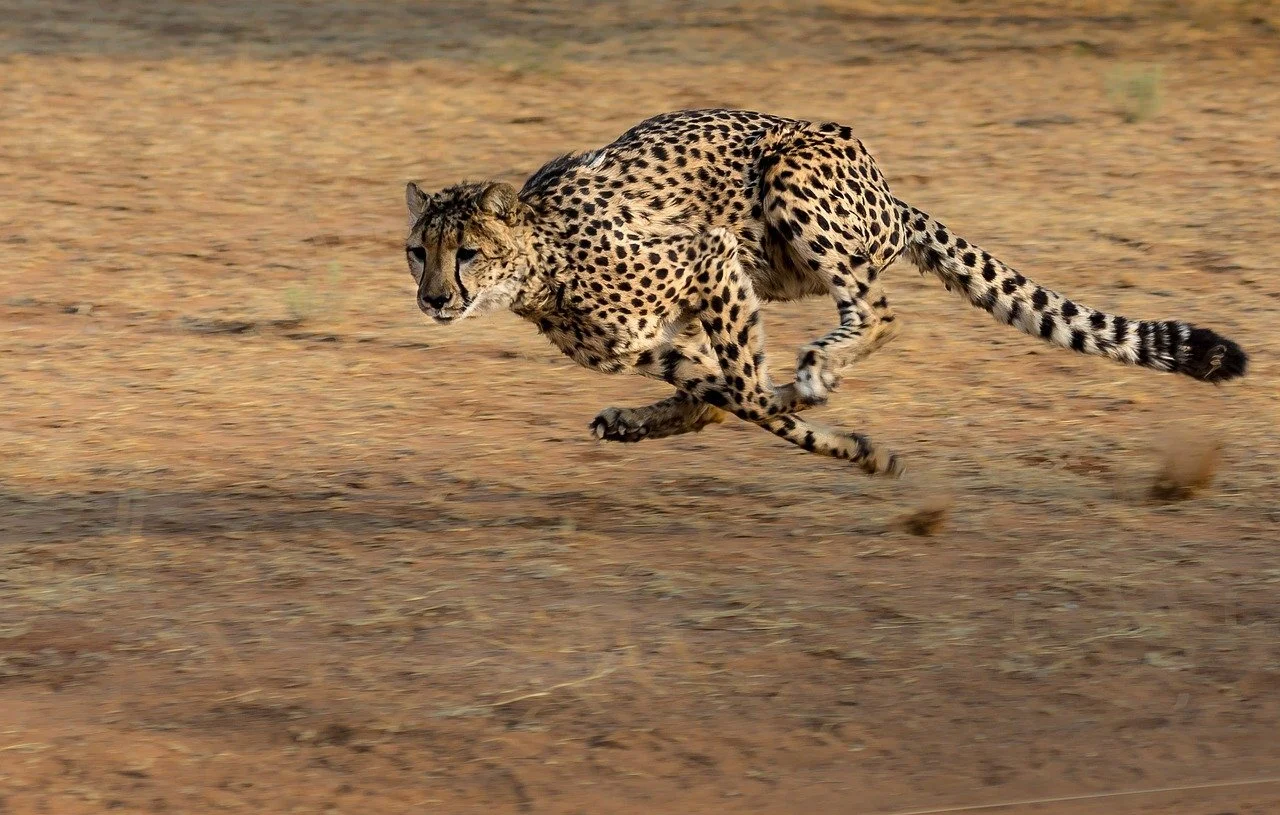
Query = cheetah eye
x=417 y=253
x=465 y=254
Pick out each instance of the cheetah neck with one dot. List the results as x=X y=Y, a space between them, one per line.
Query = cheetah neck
x=541 y=270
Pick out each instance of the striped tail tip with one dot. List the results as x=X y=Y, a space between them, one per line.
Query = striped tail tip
x=1211 y=357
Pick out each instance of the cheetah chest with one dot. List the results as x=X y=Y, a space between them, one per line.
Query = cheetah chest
x=604 y=334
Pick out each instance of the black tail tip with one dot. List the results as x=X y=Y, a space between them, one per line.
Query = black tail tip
x=1211 y=357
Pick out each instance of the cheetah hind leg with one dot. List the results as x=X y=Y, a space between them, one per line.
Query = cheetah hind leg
x=672 y=416
x=827 y=365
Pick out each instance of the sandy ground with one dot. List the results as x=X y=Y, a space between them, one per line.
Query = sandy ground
x=269 y=543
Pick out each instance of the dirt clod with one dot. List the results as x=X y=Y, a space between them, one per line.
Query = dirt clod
x=1187 y=468
x=927 y=518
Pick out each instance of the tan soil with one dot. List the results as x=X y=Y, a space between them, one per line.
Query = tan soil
x=268 y=543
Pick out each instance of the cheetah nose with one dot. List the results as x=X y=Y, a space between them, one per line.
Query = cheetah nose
x=433 y=301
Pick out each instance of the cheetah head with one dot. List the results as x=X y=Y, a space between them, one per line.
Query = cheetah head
x=464 y=249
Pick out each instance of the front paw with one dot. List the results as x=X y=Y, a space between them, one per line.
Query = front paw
x=618 y=424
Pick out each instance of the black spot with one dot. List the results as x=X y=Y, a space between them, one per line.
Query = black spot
x=1097 y=319
x=1039 y=299
x=931 y=259
x=1077 y=340
x=1046 y=326
x=1069 y=309
x=1167 y=337
x=1120 y=328
x=670 y=360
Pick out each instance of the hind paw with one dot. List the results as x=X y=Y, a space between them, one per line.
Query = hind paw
x=814 y=379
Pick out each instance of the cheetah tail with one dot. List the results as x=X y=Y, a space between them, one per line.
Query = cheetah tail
x=1162 y=345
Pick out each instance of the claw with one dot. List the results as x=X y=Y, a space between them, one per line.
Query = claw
x=613 y=424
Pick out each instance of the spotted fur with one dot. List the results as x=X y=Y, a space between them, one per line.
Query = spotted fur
x=654 y=255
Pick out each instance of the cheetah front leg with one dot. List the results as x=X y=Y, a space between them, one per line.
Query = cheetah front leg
x=682 y=413
x=724 y=303
x=842 y=444
x=672 y=416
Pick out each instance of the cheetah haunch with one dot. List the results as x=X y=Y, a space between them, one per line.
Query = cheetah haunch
x=653 y=255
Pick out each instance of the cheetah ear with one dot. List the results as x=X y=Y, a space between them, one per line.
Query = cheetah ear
x=499 y=199
x=416 y=200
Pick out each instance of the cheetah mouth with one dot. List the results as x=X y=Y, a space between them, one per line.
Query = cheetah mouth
x=446 y=315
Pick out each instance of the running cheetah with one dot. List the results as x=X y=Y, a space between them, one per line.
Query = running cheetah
x=654 y=254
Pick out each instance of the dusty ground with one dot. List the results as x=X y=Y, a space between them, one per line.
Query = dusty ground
x=268 y=543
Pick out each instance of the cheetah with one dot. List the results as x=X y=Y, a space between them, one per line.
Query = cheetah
x=654 y=254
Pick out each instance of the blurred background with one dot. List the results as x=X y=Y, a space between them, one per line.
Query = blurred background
x=271 y=543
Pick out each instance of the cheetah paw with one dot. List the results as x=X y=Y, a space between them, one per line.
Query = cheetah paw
x=618 y=424
x=814 y=381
